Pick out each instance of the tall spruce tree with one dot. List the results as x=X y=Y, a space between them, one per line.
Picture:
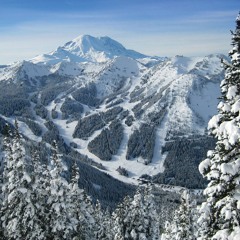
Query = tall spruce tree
x=80 y=209
x=220 y=215
x=61 y=226
x=103 y=224
x=40 y=188
x=137 y=225
x=19 y=218
x=121 y=222
x=136 y=218
x=152 y=224
x=182 y=225
x=74 y=203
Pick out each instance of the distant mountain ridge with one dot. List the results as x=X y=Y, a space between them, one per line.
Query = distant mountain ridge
x=117 y=107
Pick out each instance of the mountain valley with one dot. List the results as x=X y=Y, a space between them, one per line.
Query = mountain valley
x=119 y=112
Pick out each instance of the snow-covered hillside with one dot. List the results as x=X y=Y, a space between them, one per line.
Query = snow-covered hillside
x=116 y=106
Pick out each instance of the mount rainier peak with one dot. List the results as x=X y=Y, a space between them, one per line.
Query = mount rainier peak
x=86 y=48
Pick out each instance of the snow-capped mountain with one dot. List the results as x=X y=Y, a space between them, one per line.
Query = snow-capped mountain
x=86 y=48
x=118 y=107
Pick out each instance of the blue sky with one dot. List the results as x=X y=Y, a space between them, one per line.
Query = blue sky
x=153 y=27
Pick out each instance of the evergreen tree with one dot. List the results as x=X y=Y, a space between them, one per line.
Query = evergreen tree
x=58 y=200
x=121 y=221
x=74 y=201
x=138 y=227
x=41 y=186
x=150 y=214
x=184 y=218
x=7 y=151
x=80 y=208
x=169 y=231
x=220 y=217
x=87 y=217
x=182 y=224
x=103 y=223
x=137 y=218
x=19 y=218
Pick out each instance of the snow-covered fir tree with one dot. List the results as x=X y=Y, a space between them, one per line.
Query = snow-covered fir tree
x=121 y=221
x=18 y=211
x=74 y=203
x=103 y=224
x=87 y=219
x=220 y=214
x=61 y=226
x=182 y=225
x=185 y=216
x=40 y=187
x=7 y=152
x=137 y=218
x=80 y=208
x=139 y=225
x=150 y=214
x=169 y=231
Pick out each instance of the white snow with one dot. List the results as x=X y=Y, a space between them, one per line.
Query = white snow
x=22 y=68
x=230 y=130
x=224 y=234
x=86 y=48
x=236 y=106
x=214 y=122
x=231 y=92
x=185 y=64
x=227 y=168
x=204 y=165
x=185 y=90
x=204 y=100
